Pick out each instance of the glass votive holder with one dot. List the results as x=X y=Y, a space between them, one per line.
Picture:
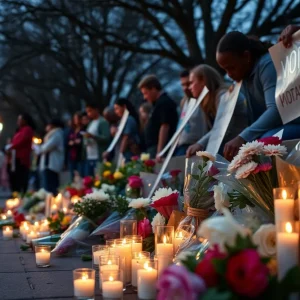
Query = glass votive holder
x=182 y=233
x=128 y=227
x=146 y=280
x=287 y=243
x=137 y=242
x=31 y=236
x=137 y=262
x=164 y=239
x=112 y=285
x=111 y=245
x=163 y=261
x=97 y=251
x=284 y=204
x=84 y=283
x=7 y=232
x=108 y=262
x=124 y=250
x=42 y=256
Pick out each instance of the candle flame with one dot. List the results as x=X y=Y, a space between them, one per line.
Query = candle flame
x=46 y=222
x=9 y=212
x=58 y=198
x=165 y=239
x=85 y=276
x=124 y=242
x=284 y=194
x=7 y=229
x=37 y=141
x=43 y=250
x=109 y=262
x=146 y=265
x=54 y=206
x=3 y=217
x=288 y=227
x=64 y=209
x=36 y=224
x=111 y=278
x=180 y=235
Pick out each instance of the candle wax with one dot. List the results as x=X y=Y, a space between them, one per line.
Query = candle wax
x=137 y=247
x=7 y=234
x=42 y=258
x=164 y=249
x=147 y=283
x=84 y=287
x=97 y=254
x=112 y=289
x=284 y=210
x=136 y=264
x=124 y=251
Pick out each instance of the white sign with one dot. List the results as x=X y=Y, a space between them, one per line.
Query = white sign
x=224 y=114
x=287 y=64
x=119 y=132
x=189 y=113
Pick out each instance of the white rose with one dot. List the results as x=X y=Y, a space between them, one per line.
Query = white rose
x=145 y=156
x=221 y=230
x=139 y=203
x=221 y=196
x=265 y=239
x=158 y=220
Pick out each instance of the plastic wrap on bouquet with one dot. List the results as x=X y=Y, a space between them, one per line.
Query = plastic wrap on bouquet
x=50 y=240
x=110 y=228
x=75 y=239
x=294 y=156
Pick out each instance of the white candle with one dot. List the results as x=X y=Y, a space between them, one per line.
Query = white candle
x=165 y=248
x=9 y=213
x=136 y=247
x=287 y=250
x=97 y=254
x=136 y=264
x=284 y=209
x=44 y=226
x=178 y=240
x=25 y=231
x=147 y=278
x=42 y=257
x=109 y=267
x=124 y=251
x=7 y=233
x=84 y=287
x=36 y=226
x=112 y=289
x=32 y=235
x=163 y=261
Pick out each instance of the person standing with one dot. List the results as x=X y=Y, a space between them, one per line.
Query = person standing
x=19 y=153
x=163 y=120
x=96 y=138
x=52 y=156
x=196 y=126
x=144 y=115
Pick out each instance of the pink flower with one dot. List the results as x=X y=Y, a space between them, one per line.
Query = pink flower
x=149 y=163
x=88 y=181
x=205 y=268
x=144 y=228
x=246 y=274
x=262 y=168
x=175 y=173
x=213 y=171
x=271 y=140
x=87 y=191
x=135 y=158
x=176 y=282
x=135 y=182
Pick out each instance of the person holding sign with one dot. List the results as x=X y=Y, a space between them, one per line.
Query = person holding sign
x=204 y=75
x=246 y=59
x=129 y=142
x=163 y=120
x=96 y=138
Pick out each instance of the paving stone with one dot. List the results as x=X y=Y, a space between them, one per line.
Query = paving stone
x=8 y=246
x=10 y=263
x=14 y=286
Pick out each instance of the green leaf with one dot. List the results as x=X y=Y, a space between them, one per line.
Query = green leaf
x=220 y=265
x=24 y=247
x=190 y=262
x=214 y=294
x=290 y=283
x=86 y=257
x=196 y=177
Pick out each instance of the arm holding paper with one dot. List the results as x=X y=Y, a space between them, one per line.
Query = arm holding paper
x=286 y=35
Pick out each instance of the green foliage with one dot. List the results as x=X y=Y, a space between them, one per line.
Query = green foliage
x=55 y=224
x=86 y=257
x=149 y=243
x=24 y=247
x=190 y=262
x=119 y=204
x=215 y=294
x=237 y=199
x=241 y=243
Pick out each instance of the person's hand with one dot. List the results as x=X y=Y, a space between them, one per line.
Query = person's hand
x=232 y=147
x=159 y=159
x=105 y=155
x=88 y=135
x=193 y=149
x=286 y=35
x=77 y=141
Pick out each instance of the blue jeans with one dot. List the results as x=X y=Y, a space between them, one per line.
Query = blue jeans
x=290 y=131
x=90 y=166
x=50 y=181
x=181 y=150
x=76 y=166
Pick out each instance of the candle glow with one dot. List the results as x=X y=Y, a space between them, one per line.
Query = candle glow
x=288 y=227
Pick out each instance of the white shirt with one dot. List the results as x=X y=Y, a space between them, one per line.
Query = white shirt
x=92 y=150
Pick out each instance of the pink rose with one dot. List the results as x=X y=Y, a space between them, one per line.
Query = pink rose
x=176 y=282
x=144 y=228
x=271 y=140
x=205 y=268
x=149 y=163
x=262 y=168
x=135 y=158
x=88 y=181
x=135 y=182
x=246 y=274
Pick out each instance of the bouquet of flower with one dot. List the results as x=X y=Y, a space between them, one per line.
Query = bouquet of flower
x=31 y=199
x=237 y=266
x=134 y=187
x=59 y=222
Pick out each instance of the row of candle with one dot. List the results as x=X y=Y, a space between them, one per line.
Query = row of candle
x=287 y=235
x=33 y=231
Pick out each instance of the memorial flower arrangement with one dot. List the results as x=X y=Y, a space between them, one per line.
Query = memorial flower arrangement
x=238 y=265
x=32 y=198
x=171 y=179
x=59 y=222
x=134 y=186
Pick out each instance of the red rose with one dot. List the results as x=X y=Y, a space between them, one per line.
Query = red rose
x=88 y=181
x=175 y=173
x=246 y=274
x=165 y=205
x=135 y=158
x=149 y=163
x=19 y=217
x=206 y=270
x=144 y=228
x=213 y=171
x=135 y=182
x=72 y=191
x=271 y=140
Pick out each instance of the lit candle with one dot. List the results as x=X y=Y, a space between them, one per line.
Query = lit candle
x=7 y=232
x=147 y=278
x=54 y=208
x=123 y=250
x=164 y=248
x=3 y=217
x=178 y=240
x=287 y=250
x=44 y=227
x=109 y=267
x=58 y=198
x=42 y=256
x=284 y=207
x=31 y=236
x=84 y=287
x=137 y=263
x=97 y=254
x=25 y=231
x=75 y=199
x=36 y=226
x=112 y=289
x=9 y=213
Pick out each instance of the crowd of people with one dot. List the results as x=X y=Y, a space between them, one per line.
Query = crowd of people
x=82 y=145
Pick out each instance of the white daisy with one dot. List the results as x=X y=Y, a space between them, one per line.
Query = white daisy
x=158 y=220
x=139 y=202
x=206 y=154
x=245 y=170
x=99 y=195
x=108 y=187
x=162 y=192
x=274 y=150
x=237 y=162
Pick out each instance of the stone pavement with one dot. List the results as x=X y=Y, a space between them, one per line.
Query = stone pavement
x=20 y=279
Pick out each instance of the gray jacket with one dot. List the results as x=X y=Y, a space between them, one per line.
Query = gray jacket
x=52 y=151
